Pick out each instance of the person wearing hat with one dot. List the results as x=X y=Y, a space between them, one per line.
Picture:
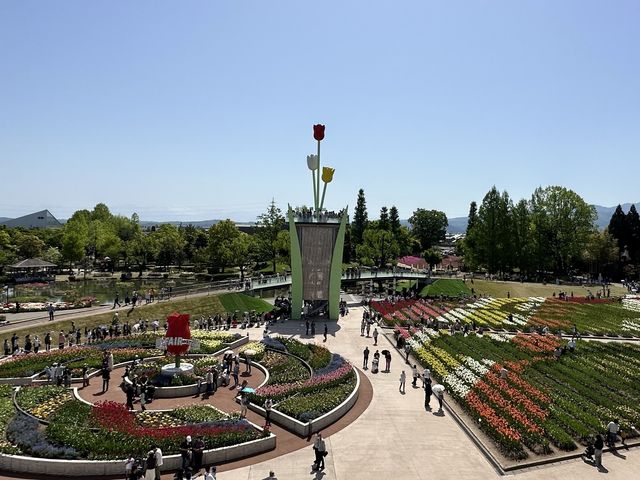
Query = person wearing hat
x=186 y=452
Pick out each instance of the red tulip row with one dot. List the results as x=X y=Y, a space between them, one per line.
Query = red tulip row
x=536 y=343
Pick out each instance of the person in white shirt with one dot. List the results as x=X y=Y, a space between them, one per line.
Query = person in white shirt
x=159 y=461
x=612 y=432
x=426 y=375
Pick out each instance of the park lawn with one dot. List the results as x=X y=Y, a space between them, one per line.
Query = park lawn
x=498 y=289
x=243 y=303
x=446 y=287
x=408 y=284
x=196 y=306
x=268 y=269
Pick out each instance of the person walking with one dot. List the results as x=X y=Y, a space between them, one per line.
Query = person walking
x=427 y=393
x=407 y=350
x=598 y=446
x=440 y=397
x=47 y=341
x=236 y=372
x=116 y=301
x=244 y=404
x=198 y=451
x=186 y=452
x=51 y=309
x=403 y=379
x=320 y=450
x=375 y=336
x=36 y=344
x=612 y=433
x=363 y=325
x=268 y=406
x=368 y=329
x=365 y=359
x=325 y=332
x=426 y=376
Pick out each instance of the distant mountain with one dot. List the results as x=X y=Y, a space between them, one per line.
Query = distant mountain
x=459 y=224
x=4 y=219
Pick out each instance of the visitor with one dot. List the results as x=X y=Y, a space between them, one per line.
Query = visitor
x=440 y=397
x=407 y=351
x=387 y=360
x=320 y=451
x=130 y=394
x=61 y=340
x=613 y=428
x=36 y=344
x=426 y=376
x=128 y=467
x=210 y=473
x=51 y=309
x=503 y=373
x=244 y=404
x=85 y=375
x=415 y=375
x=268 y=406
x=209 y=379
x=159 y=461
x=106 y=376
x=365 y=360
x=598 y=446
x=403 y=379
x=186 y=452
x=7 y=348
x=197 y=452
x=150 y=464
x=236 y=373
x=375 y=336
x=325 y=332
x=427 y=393
x=376 y=361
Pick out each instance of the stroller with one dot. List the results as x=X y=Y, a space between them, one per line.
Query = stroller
x=374 y=365
x=589 y=451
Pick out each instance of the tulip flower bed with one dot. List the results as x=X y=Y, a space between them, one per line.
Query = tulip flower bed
x=407 y=311
x=75 y=357
x=210 y=341
x=544 y=404
x=109 y=431
x=42 y=401
x=316 y=355
x=258 y=349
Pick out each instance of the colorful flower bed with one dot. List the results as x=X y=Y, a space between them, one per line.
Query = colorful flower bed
x=210 y=341
x=74 y=357
x=407 y=311
x=544 y=403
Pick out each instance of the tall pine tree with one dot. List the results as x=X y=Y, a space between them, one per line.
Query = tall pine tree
x=618 y=228
x=360 y=221
x=394 y=220
x=383 y=224
x=633 y=229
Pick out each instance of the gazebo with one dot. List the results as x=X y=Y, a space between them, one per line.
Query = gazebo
x=32 y=270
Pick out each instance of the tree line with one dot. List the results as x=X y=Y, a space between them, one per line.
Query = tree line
x=553 y=232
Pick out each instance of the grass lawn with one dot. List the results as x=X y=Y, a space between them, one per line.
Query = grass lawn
x=408 y=284
x=446 y=287
x=244 y=303
x=499 y=289
x=196 y=306
x=268 y=269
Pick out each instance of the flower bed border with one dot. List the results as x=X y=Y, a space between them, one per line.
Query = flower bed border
x=306 y=429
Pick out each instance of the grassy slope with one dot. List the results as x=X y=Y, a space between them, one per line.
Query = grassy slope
x=517 y=289
x=244 y=303
x=447 y=287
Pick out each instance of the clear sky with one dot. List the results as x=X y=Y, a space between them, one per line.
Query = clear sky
x=196 y=110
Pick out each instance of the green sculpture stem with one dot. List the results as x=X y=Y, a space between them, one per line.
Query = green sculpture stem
x=318 y=182
x=324 y=190
x=177 y=361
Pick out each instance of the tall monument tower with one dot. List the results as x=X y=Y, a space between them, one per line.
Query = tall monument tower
x=317 y=243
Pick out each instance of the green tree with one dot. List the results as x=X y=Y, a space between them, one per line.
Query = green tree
x=360 y=221
x=29 y=246
x=432 y=256
x=429 y=226
x=618 y=228
x=383 y=223
x=521 y=236
x=491 y=233
x=633 y=228
x=470 y=241
x=379 y=248
x=270 y=224
x=394 y=220
x=7 y=249
x=74 y=239
x=221 y=237
x=170 y=244
x=141 y=249
x=565 y=221
x=600 y=251
x=241 y=248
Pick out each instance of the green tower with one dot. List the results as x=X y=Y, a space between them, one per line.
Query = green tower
x=317 y=243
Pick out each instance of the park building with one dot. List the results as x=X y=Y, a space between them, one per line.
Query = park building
x=41 y=219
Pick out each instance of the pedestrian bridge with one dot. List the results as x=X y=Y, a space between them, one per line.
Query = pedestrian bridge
x=284 y=280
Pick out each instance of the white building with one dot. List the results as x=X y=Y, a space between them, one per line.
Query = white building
x=42 y=219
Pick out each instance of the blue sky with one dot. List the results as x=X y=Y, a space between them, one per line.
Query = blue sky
x=201 y=109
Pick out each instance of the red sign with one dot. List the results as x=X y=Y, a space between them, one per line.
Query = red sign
x=178 y=333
